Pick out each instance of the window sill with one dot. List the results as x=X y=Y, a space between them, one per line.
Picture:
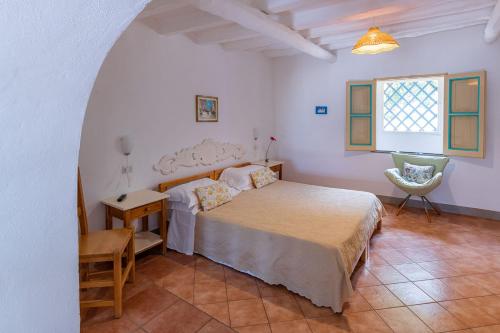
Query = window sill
x=406 y=152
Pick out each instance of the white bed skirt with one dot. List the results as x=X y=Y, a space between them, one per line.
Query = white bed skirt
x=181 y=231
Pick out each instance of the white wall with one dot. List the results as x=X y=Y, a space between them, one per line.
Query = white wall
x=51 y=52
x=146 y=89
x=313 y=146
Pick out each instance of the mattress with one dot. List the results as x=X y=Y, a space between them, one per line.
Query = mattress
x=305 y=237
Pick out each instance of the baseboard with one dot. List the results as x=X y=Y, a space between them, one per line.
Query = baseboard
x=482 y=213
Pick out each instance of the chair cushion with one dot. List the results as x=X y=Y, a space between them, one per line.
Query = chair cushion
x=417 y=173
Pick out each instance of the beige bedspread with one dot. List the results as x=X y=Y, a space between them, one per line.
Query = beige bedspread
x=305 y=237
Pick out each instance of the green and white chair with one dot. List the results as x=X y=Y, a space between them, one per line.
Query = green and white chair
x=395 y=175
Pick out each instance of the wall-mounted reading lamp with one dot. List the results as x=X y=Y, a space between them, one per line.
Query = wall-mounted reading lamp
x=126 y=146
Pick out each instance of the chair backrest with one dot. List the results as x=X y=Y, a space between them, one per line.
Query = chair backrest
x=439 y=162
x=82 y=212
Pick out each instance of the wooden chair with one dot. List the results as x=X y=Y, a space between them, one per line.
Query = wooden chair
x=99 y=247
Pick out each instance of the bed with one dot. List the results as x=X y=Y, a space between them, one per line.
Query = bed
x=307 y=238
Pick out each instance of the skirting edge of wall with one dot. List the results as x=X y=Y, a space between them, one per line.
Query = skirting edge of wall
x=477 y=212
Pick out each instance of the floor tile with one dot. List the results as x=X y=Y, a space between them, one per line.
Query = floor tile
x=295 y=326
x=465 y=286
x=236 y=292
x=236 y=278
x=181 y=258
x=247 y=312
x=158 y=268
x=379 y=297
x=207 y=292
x=387 y=274
x=283 y=308
x=437 y=318
x=267 y=290
x=363 y=278
x=438 y=290
x=213 y=326
x=469 y=313
x=181 y=317
x=333 y=324
x=489 y=281
x=148 y=303
x=219 y=311
x=356 y=303
x=375 y=260
x=488 y=304
x=438 y=269
x=122 y=325
x=413 y=272
x=394 y=257
x=487 y=329
x=309 y=310
x=402 y=320
x=409 y=294
x=208 y=273
x=367 y=322
x=254 y=329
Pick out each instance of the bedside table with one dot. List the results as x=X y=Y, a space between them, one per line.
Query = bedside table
x=276 y=166
x=137 y=205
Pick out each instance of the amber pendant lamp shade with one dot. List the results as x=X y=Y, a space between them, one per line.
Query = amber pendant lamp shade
x=374 y=42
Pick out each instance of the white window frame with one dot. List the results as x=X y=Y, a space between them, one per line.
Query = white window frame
x=415 y=142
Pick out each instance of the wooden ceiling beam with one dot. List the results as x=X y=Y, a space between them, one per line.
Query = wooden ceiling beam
x=456 y=21
x=281 y=6
x=280 y=53
x=248 y=43
x=227 y=33
x=407 y=30
x=416 y=14
x=160 y=7
x=349 y=11
x=182 y=20
x=492 y=30
x=255 y=20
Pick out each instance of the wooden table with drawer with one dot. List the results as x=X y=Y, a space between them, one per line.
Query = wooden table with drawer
x=139 y=205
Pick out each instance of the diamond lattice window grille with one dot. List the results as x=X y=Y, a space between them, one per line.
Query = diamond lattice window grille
x=411 y=106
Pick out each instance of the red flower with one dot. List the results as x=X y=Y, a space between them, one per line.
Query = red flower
x=273 y=138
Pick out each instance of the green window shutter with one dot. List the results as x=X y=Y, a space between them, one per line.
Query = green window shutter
x=360 y=115
x=464 y=114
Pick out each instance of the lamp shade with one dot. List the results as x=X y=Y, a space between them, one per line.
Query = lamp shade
x=375 y=41
x=126 y=145
x=255 y=133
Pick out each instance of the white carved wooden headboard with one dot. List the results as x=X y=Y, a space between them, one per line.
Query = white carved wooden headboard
x=208 y=152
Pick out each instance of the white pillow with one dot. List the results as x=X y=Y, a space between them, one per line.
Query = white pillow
x=185 y=193
x=239 y=178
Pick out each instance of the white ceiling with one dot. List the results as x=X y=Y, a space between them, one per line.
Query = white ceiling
x=317 y=27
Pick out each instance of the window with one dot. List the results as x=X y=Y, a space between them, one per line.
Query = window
x=441 y=114
x=410 y=116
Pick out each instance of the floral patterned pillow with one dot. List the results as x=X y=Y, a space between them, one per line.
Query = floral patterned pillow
x=213 y=195
x=417 y=173
x=263 y=177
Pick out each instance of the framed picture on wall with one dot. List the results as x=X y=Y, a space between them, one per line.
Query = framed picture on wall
x=207 y=108
x=321 y=109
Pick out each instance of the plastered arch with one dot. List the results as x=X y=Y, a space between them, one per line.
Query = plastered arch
x=51 y=53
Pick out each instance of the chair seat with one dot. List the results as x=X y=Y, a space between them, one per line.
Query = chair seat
x=103 y=244
x=412 y=188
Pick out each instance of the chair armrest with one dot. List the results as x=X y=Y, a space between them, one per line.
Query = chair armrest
x=394 y=175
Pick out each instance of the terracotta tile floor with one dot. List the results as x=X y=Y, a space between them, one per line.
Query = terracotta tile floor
x=421 y=277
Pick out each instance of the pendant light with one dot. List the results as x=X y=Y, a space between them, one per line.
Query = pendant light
x=374 y=42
